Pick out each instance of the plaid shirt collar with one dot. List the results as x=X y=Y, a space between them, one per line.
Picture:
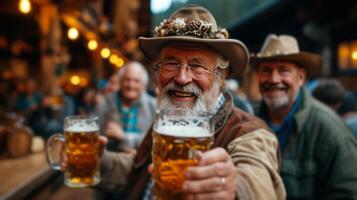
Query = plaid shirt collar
x=219 y=103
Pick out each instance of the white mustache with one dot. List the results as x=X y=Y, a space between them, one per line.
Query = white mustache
x=190 y=88
x=269 y=86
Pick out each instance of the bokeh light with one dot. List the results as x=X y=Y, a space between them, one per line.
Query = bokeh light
x=92 y=45
x=75 y=80
x=72 y=33
x=105 y=53
x=25 y=6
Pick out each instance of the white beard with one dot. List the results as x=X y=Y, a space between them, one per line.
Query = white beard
x=277 y=103
x=205 y=101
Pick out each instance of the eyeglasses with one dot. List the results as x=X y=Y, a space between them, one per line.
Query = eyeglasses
x=196 y=70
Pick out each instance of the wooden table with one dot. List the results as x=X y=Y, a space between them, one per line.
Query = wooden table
x=20 y=176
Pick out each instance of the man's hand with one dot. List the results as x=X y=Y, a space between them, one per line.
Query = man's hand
x=213 y=178
x=102 y=143
x=114 y=130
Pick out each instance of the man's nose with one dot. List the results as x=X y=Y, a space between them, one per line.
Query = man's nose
x=274 y=77
x=183 y=77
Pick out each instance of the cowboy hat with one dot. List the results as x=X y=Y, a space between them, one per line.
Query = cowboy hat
x=196 y=25
x=286 y=48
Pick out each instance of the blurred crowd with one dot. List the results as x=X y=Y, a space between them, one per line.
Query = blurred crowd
x=126 y=106
x=292 y=142
x=122 y=102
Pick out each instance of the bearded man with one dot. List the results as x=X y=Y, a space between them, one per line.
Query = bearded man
x=192 y=58
x=319 y=151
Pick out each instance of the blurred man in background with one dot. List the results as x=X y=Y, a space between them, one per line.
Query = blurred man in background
x=319 y=151
x=28 y=100
x=126 y=115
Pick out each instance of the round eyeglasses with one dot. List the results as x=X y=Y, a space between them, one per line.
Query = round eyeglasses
x=197 y=71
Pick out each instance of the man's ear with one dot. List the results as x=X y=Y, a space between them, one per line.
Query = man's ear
x=302 y=75
x=225 y=73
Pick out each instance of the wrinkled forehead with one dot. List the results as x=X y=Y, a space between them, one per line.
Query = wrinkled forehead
x=278 y=63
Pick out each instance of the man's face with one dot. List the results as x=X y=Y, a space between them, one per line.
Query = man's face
x=113 y=83
x=279 y=83
x=184 y=88
x=131 y=85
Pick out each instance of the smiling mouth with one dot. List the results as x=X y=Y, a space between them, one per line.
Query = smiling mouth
x=275 y=89
x=182 y=94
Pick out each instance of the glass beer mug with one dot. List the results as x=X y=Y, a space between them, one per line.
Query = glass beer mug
x=81 y=139
x=177 y=135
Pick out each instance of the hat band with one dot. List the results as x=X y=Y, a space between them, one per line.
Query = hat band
x=185 y=27
x=273 y=53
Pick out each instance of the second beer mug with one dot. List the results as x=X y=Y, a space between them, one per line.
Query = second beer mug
x=81 y=148
x=177 y=136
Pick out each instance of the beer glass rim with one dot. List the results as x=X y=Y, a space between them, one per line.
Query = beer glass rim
x=84 y=117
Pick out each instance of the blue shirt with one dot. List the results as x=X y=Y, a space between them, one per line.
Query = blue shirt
x=128 y=116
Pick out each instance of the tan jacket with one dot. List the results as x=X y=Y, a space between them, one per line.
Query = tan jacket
x=252 y=147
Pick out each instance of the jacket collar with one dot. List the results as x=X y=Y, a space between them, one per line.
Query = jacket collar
x=220 y=118
x=304 y=110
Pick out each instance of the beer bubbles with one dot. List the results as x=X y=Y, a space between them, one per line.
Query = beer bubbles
x=177 y=136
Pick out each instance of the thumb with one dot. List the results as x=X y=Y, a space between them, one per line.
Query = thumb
x=150 y=168
x=102 y=143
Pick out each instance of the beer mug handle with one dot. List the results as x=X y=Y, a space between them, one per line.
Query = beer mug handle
x=53 y=139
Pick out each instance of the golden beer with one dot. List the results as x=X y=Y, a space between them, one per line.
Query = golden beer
x=173 y=151
x=81 y=146
x=82 y=158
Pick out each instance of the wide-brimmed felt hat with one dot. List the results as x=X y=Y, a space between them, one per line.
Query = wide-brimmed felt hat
x=196 y=25
x=286 y=48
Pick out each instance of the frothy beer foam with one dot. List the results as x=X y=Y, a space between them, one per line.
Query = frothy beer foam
x=183 y=131
x=82 y=128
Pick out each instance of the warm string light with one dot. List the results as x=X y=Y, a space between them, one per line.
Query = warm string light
x=347 y=55
x=119 y=63
x=75 y=80
x=25 y=6
x=72 y=33
x=83 y=82
x=78 y=80
x=92 y=45
x=354 y=55
x=105 y=53
x=115 y=60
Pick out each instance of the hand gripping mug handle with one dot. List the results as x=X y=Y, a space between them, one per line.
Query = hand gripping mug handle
x=53 y=139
